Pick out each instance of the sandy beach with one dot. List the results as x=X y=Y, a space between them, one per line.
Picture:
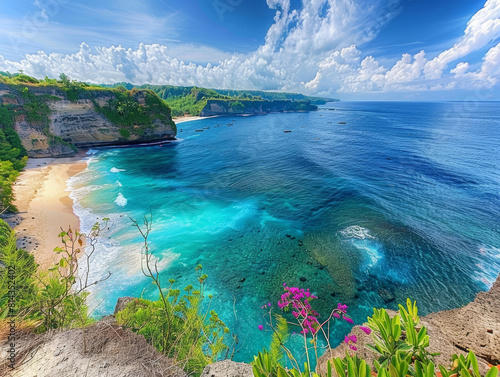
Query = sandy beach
x=44 y=205
x=179 y=120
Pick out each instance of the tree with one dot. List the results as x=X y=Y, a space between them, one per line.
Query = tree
x=237 y=107
x=64 y=79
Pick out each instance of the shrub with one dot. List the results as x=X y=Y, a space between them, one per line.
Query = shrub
x=47 y=299
x=177 y=323
x=125 y=133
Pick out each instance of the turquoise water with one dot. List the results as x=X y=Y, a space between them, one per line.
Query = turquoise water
x=403 y=197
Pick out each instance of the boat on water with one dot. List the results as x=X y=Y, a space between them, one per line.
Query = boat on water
x=287 y=131
x=199 y=130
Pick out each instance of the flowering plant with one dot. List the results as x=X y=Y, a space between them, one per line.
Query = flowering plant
x=298 y=301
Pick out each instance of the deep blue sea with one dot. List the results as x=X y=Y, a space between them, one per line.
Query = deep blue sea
x=403 y=197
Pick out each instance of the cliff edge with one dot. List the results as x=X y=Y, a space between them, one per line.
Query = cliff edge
x=54 y=119
x=241 y=106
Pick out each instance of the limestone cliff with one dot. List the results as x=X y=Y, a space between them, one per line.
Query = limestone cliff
x=54 y=121
x=222 y=106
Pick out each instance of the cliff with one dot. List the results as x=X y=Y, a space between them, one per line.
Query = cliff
x=224 y=106
x=54 y=120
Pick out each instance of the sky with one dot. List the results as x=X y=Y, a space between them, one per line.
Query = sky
x=347 y=49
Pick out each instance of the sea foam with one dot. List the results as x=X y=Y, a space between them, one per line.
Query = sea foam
x=121 y=200
x=367 y=244
x=115 y=170
x=488 y=265
x=356 y=231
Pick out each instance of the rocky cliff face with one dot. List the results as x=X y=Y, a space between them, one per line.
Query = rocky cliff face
x=222 y=107
x=51 y=125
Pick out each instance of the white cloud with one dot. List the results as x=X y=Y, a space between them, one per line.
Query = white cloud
x=313 y=49
x=460 y=69
x=294 y=44
x=482 y=28
x=486 y=77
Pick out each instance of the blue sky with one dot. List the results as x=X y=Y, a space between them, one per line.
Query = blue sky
x=351 y=49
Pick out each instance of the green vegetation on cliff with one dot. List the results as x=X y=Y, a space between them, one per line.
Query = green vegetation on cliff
x=135 y=111
x=179 y=324
x=274 y=96
x=185 y=100
x=12 y=158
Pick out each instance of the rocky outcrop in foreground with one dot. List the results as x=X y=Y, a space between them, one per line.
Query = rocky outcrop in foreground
x=227 y=368
x=112 y=351
x=117 y=352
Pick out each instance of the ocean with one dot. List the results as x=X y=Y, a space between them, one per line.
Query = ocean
x=361 y=201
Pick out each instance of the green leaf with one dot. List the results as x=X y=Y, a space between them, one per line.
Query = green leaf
x=281 y=372
x=256 y=371
x=418 y=369
x=493 y=372
x=364 y=370
x=382 y=373
x=430 y=370
x=444 y=372
x=473 y=361
x=339 y=367
x=393 y=371
x=351 y=368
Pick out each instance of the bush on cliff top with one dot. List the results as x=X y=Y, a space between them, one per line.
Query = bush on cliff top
x=12 y=158
x=127 y=111
x=179 y=324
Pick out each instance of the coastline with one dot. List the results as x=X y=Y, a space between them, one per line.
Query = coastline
x=44 y=205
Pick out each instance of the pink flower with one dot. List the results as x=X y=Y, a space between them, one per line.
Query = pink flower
x=261 y=327
x=348 y=320
x=367 y=330
x=354 y=348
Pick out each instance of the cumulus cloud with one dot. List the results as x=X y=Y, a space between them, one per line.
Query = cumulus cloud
x=482 y=28
x=345 y=71
x=293 y=45
x=313 y=49
x=486 y=77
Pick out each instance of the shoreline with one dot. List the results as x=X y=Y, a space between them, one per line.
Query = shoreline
x=42 y=198
x=190 y=118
